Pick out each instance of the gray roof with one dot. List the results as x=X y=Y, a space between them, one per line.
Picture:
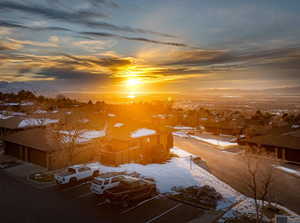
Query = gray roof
x=290 y=139
x=36 y=138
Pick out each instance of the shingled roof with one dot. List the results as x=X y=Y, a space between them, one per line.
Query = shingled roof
x=36 y=138
x=288 y=139
x=25 y=122
x=10 y=123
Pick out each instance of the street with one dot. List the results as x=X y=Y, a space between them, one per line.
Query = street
x=230 y=168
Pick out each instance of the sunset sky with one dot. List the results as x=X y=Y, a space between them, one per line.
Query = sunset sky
x=150 y=46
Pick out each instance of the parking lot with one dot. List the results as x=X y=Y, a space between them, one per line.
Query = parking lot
x=22 y=200
x=155 y=209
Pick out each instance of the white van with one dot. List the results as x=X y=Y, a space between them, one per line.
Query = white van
x=100 y=184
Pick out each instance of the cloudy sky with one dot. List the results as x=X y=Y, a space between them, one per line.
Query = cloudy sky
x=150 y=46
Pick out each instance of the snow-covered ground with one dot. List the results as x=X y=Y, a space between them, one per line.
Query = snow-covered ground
x=247 y=207
x=215 y=142
x=178 y=172
x=289 y=170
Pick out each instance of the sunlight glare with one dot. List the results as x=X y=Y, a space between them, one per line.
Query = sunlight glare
x=131 y=82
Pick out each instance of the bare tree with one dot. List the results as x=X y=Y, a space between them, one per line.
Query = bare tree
x=259 y=181
x=67 y=135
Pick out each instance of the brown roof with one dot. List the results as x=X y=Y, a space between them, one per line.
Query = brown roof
x=36 y=138
x=10 y=123
x=290 y=139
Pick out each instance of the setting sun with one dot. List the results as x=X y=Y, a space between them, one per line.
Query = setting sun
x=132 y=82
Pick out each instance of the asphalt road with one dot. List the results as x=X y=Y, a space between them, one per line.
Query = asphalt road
x=231 y=168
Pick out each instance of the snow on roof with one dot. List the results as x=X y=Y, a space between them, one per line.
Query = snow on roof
x=183 y=128
x=18 y=113
x=29 y=103
x=40 y=112
x=93 y=134
x=55 y=111
x=142 y=132
x=119 y=124
x=84 y=120
x=68 y=113
x=5 y=116
x=111 y=115
x=11 y=104
x=36 y=122
x=295 y=126
x=161 y=116
x=83 y=136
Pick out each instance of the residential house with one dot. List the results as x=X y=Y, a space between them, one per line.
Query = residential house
x=282 y=143
x=40 y=146
x=125 y=144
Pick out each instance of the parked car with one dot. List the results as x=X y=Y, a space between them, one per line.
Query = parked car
x=102 y=183
x=129 y=191
x=76 y=173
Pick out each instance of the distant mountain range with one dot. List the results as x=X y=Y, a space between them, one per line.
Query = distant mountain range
x=269 y=91
x=15 y=87
x=43 y=88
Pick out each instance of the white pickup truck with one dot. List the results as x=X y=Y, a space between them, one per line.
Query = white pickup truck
x=100 y=184
x=76 y=173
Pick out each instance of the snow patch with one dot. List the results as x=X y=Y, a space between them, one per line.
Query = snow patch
x=183 y=128
x=178 y=172
x=142 y=132
x=36 y=122
x=18 y=113
x=118 y=125
x=247 y=207
x=83 y=136
x=215 y=141
x=111 y=115
x=180 y=134
x=5 y=116
x=288 y=170
x=295 y=126
x=40 y=111
x=29 y=103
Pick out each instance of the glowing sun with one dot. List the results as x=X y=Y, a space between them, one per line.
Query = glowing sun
x=132 y=82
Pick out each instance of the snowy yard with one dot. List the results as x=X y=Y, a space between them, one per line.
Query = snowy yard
x=178 y=172
x=247 y=207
